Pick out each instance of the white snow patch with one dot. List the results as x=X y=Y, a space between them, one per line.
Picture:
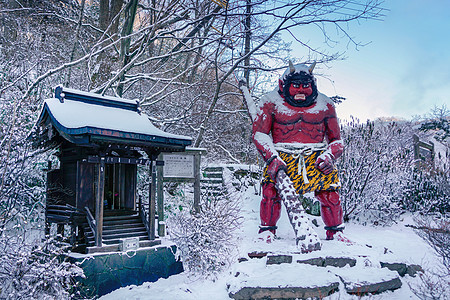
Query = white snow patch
x=265 y=141
x=320 y=105
x=257 y=274
x=396 y=243
x=74 y=114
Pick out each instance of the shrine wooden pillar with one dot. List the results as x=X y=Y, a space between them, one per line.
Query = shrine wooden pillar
x=99 y=202
x=197 y=161
x=152 y=200
x=160 y=195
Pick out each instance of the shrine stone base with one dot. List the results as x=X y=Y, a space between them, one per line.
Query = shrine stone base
x=106 y=272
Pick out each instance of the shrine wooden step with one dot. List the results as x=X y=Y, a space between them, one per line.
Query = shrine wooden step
x=135 y=215
x=120 y=221
x=120 y=230
x=118 y=225
x=123 y=226
x=115 y=238
x=118 y=212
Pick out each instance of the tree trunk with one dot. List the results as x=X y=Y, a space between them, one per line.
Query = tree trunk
x=108 y=20
x=130 y=16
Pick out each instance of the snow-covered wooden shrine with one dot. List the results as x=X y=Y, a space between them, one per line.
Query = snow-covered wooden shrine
x=100 y=141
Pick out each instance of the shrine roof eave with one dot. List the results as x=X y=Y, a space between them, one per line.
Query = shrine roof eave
x=93 y=135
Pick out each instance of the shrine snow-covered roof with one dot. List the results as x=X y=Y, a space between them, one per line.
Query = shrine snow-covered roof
x=89 y=118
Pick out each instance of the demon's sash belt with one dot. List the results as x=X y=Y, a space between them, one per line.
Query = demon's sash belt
x=300 y=159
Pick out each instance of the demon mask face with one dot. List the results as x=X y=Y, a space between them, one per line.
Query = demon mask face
x=297 y=85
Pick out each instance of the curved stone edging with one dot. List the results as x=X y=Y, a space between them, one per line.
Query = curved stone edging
x=388 y=280
x=285 y=292
x=364 y=288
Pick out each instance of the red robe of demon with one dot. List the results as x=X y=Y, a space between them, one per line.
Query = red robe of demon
x=297 y=132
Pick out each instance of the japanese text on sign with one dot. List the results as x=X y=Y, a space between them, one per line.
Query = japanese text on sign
x=178 y=166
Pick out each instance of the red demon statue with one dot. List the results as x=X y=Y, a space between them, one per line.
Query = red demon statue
x=297 y=133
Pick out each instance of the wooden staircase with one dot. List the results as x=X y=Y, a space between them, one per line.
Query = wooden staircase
x=212 y=184
x=118 y=225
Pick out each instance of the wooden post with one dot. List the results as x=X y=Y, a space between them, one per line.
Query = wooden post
x=160 y=195
x=60 y=230
x=73 y=233
x=99 y=203
x=47 y=224
x=416 y=146
x=432 y=153
x=428 y=147
x=197 y=182
x=152 y=201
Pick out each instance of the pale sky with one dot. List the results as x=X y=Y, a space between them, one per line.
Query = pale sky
x=403 y=72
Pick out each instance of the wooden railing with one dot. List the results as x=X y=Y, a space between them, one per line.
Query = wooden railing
x=143 y=212
x=62 y=214
x=91 y=221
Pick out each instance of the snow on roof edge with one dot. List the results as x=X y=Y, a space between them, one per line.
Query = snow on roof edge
x=145 y=126
x=95 y=95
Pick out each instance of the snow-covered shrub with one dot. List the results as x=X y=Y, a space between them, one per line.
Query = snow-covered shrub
x=434 y=284
x=427 y=191
x=428 y=188
x=240 y=177
x=438 y=122
x=206 y=239
x=34 y=270
x=29 y=268
x=178 y=197
x=435 y=230
x=374 y=170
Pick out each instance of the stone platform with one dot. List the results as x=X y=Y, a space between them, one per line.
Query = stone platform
x=106 y=272
x=273 y=276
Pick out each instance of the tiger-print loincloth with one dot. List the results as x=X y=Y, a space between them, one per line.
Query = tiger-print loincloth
x=317 y=180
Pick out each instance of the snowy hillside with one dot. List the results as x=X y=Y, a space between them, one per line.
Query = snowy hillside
x=373 y=245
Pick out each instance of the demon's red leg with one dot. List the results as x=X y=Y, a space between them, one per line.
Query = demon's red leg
x=270 y=208
x=331 y=211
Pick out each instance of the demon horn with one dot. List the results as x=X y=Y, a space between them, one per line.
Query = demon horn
x=311 y=67
x=291 y=67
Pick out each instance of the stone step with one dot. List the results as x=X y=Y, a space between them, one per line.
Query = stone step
x=357 y=279
x=263 y=293
x=213 y=175
x=207 y=181
x=338 y=262
x=213 y=169
x=371 y=281
x=401 y=268
x=272 y=282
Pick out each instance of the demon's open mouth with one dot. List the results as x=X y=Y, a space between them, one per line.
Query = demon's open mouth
x=301 y=97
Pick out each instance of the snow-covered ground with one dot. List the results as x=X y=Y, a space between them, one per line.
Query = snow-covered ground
x=397 y=243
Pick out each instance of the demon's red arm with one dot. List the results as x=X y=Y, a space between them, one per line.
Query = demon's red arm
x=325 y=162
x=262 y=125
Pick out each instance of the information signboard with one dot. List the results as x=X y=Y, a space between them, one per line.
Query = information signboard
x=178 y=166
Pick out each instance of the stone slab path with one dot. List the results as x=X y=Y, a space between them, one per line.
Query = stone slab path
x=354 y=274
